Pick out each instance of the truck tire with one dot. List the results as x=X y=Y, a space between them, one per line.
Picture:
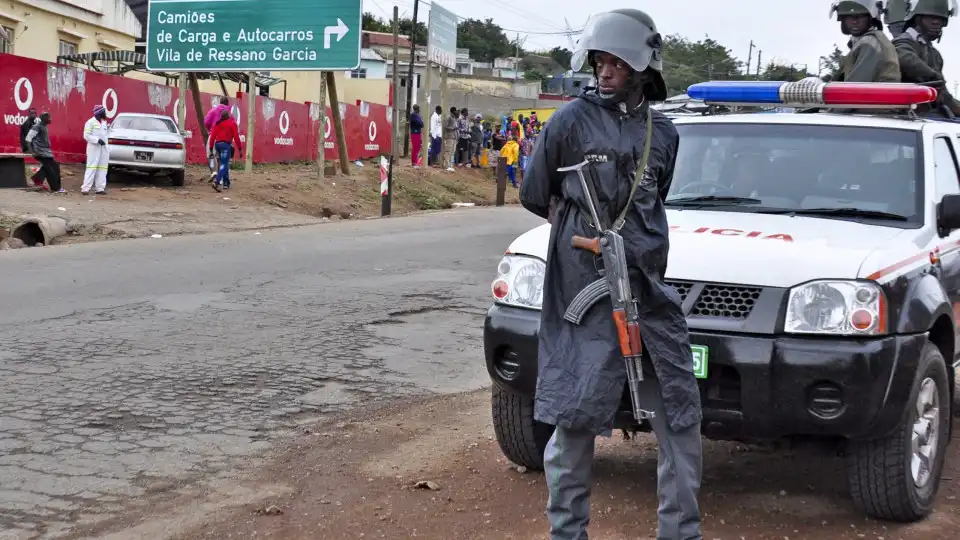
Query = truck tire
x=178 y=177
x=522 y=439
x=883 y=473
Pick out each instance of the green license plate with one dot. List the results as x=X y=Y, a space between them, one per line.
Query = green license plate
x=701 y=355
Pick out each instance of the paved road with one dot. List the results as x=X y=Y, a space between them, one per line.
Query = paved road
x=129 y=367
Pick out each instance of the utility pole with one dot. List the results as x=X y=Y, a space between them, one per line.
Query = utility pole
x=182 y=104
x=386 y=199
x=251 y=115
x=750 y=57
x=516 y=59
x=425 y=147
x=322 y=130
x=337 y=122
x=759 y=56
x=413 y=56
x=395 y=132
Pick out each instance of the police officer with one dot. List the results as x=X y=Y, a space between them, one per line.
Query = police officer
x=582 y=376
x=895 y=16
x=920 y=61
x=872 y=57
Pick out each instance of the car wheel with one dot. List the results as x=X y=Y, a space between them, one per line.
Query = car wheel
x=178 y=177
x=522 y=439
x=896 y=478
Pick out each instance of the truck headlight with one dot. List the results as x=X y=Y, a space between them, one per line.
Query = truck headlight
x=519 y=282
x=842 y=308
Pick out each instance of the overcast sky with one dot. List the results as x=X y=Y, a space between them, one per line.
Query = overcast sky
x=792 y=32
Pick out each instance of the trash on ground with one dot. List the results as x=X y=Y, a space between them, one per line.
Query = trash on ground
x=427 y=484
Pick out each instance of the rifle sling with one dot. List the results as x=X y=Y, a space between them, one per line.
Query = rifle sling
x=638 y=177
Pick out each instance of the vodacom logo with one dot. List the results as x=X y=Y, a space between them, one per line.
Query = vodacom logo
x=372 y=133
x=284 y=122
x=108 y=96
x=326 y=127
x=23 y=84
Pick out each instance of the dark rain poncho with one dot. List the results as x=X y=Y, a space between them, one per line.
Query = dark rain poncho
x=581 y=371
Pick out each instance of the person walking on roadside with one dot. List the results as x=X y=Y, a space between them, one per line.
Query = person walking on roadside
x=581 y=376
x=98 y=153
x=510 y=154
x=476 y=141
x=38 y=138
x=463 y=141
x=416 y=136
x=213 y=116
x=436 y=136
x=450 y=136
x=224 y=138
x=25 y=127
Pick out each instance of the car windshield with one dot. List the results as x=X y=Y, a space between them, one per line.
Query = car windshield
x=839 y=172
x=145 y=123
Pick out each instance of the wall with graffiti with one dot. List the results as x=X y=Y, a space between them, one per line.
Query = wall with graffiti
x=285 y=131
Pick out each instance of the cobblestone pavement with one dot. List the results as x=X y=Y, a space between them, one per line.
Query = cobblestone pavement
x=131 y=368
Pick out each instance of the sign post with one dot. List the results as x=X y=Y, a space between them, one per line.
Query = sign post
x=253 y=35
x=442 y=52
x=442 y=37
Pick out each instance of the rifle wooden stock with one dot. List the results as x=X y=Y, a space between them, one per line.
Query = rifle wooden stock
x=628 y=333
x=587 y=244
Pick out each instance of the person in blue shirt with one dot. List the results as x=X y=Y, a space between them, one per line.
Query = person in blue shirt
x=416 y=136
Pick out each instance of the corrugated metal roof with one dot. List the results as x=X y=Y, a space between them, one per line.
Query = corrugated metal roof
x=370 y=54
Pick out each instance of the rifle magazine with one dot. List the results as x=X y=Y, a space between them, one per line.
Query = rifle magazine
x=585 y=299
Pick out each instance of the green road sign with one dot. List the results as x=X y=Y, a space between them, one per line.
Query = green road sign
x=253 y=35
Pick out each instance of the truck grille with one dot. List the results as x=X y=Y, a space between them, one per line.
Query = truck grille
x=726 y=301
x=682 y=287
x=719 y=301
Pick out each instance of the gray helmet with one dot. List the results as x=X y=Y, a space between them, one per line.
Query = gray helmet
x=895 y=11
x=933 y=8
x=630 y=35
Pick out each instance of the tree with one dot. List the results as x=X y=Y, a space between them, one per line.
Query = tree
x=831 y=64
x=561 y=55
x=776 y=71
x=419 y=35
x=688 y=62
x=372 y=23
x=536 y=75
x=485 y=40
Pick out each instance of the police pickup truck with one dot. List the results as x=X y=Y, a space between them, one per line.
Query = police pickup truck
x=817 y=257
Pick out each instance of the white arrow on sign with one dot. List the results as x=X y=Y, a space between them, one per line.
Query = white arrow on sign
x=340 y=30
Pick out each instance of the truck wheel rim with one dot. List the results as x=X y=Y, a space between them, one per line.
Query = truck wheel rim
x=926 y=433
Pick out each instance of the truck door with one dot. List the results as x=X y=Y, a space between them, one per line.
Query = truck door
x=948 y=183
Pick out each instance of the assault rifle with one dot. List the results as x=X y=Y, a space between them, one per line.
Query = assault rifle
x=614 y=282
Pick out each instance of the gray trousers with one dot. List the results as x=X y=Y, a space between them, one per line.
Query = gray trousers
x=568 y=465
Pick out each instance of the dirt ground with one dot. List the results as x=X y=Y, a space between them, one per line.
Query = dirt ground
x=354 y=477
x=271 y=196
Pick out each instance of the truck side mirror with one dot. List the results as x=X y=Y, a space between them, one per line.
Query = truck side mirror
x=948 y=214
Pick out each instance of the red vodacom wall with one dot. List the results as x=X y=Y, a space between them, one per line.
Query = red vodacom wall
x=285 y=131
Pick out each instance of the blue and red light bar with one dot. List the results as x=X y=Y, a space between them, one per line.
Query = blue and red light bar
x=813 y=93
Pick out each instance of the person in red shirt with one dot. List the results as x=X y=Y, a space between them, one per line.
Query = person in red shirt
x=225 y=134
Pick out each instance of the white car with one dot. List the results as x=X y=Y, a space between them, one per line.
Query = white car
x=149 y=143
x=818 y=261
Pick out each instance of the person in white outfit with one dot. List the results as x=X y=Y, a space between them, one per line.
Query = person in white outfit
x=98 y=153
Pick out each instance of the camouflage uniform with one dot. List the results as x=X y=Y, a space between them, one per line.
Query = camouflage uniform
x=872 y=57
x=920 y=61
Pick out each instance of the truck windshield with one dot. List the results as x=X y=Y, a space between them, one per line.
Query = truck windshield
x=778 y=168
